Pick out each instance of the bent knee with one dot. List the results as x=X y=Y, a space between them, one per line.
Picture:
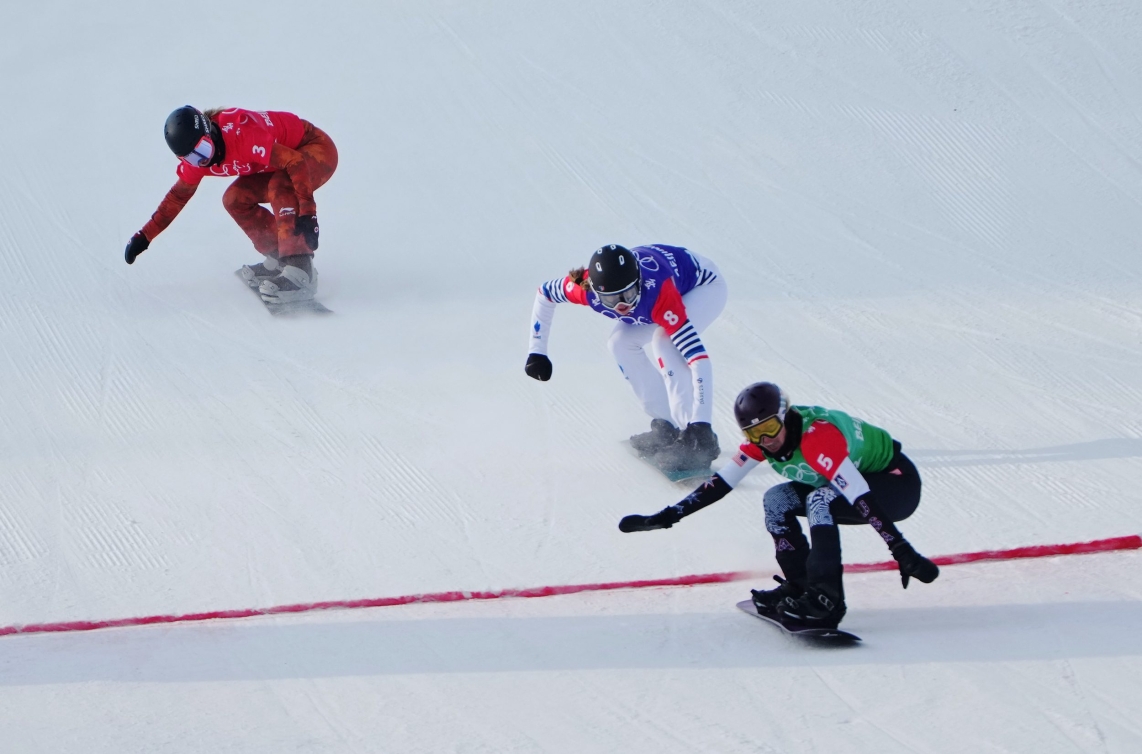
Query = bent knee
x=779 y=501
x=237 y=198
x=621 y=341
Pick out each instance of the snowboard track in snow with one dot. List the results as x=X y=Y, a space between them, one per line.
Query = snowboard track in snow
x=1129 y=542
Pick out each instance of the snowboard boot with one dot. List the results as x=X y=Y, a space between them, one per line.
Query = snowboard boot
x=767 y=600
x=695 y=448
x=817 y=607
x=254 y=274
x=662 y=434
x=297 y=281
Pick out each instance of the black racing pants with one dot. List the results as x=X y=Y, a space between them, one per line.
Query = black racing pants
x=895 y=497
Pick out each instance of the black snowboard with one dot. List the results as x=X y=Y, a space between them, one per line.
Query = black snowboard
x=290 y=308
x=824 y=636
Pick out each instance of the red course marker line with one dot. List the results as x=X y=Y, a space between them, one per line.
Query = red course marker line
x=1132 y=542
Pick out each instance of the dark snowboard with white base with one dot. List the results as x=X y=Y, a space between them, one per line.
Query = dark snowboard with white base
x=290 y=307
x=823 y=636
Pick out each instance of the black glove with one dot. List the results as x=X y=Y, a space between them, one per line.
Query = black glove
x=913 y=563
x=306 y=225
x=664 y=519
x=136 y=246
x=538 y=367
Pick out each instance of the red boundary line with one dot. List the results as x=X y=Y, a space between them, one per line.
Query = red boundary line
x=1131 y=542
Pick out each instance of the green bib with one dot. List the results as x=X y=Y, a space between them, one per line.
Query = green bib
x=870 y=448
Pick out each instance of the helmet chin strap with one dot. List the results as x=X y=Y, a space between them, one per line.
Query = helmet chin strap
x=793 y=427
x=219 y=145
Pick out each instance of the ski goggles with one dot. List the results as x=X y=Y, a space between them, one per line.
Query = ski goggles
x=201 y=154
x=770 y=427
x=626 y=298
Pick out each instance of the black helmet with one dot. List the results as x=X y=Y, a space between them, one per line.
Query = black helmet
x=614 y=276
x=184 y=129
x=756 y=406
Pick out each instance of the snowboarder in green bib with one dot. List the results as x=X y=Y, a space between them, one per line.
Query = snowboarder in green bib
x=842 y=471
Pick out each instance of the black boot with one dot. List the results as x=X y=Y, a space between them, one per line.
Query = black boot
x=767 y=600
x=662 y=434
x=696 y=448
x=817 y=607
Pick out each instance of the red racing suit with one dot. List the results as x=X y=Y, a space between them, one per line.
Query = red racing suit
x=277 y=158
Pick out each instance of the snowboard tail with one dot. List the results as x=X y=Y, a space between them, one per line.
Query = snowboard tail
x=823 y=636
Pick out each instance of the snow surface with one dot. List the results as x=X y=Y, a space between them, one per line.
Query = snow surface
x=927 y=213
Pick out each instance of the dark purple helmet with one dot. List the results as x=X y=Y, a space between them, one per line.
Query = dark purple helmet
x=760 y=410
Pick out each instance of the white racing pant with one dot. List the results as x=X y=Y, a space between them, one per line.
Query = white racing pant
x=656 y=370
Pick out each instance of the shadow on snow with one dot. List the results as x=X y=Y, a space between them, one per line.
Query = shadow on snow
x=260 y=649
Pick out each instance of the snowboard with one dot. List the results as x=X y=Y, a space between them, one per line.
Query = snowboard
x=293 y=307
x=674 y=476
x=823 y=636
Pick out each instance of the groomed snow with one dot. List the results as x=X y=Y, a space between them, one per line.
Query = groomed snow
x=928 y=215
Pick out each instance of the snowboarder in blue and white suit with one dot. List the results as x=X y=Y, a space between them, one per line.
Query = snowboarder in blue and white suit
x=662 y=298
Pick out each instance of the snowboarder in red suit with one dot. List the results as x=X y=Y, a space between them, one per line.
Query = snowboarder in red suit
x=277 y=159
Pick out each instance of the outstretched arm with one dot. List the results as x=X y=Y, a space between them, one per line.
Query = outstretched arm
x=542 y=313
x=558 y=291
x=826 y=450
x=169 y=208
x=670 y=313
x=711 y=491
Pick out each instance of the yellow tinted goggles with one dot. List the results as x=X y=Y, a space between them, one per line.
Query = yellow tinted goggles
x=770 y=427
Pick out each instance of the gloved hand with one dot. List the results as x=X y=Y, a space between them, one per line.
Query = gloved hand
x=136 y=246
x=306 y=225
x=913 y=563
x=538 y=367
x=664 y=519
